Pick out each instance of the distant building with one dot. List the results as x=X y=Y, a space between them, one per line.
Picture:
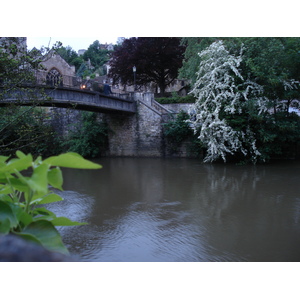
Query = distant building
x=81 y=51
x=110 y=47
x=57 y=71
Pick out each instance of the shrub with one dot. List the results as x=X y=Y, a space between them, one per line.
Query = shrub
x=27 y=129
x=179 y=130
x=21 y=197
x=89 y=137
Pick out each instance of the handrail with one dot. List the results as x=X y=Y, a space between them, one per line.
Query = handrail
x=42 y=78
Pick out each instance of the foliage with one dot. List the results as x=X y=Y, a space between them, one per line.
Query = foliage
x=277 y=136
x=176 y=99
x=70 y=56
x=272 y=62
x=178 y=130
x=16 y=66
x=22 y=128
x=24 y=187
x=240 y=109
x=190 y=66
x=89 y=137
x=222 y=91
x=157 y=59
x=97 y=56
x=83 y=70
x=194 y=45
x=27 y=129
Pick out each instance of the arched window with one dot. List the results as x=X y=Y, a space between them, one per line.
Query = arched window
x=54 y=78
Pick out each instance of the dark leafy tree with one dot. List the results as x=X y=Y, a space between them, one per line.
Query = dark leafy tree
x=157 y=59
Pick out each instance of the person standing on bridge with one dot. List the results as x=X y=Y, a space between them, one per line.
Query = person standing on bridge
x=107 y=89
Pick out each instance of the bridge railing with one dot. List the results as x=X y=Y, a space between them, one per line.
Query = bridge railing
x=42 y=78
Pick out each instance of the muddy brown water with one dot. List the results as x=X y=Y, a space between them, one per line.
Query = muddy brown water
x=180 y=210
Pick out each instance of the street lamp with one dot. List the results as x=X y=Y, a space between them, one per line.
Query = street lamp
x=134 y=71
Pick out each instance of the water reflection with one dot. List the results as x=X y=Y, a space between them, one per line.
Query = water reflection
x=182 y=210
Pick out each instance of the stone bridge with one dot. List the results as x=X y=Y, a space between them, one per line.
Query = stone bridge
x=66 y=97
x=135 y=119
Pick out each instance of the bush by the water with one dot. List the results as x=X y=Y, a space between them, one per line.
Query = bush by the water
x=178 y=130
x=89 y=137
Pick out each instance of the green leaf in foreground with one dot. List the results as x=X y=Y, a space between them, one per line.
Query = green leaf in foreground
x=22 y=193
x=71 y=160
x=38 y=181
x=55 y=178
x=63 y=221
x=49 y=199
x=4 y=226
x=18 y=164
x=46 y=234
x=7 y=213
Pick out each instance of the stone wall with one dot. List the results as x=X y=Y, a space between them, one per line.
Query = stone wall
x=122 y=138
x=177 y=107
x=149 y=129
x=138 y=135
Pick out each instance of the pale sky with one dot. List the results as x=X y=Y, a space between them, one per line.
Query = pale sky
x=75 y=43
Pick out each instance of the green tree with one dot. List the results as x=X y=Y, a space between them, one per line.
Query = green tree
x=21 y=128
x=178 y=130
x=194 y=45
x=274 y=64
x=70 y=56
x=97 y=56
x=88 y=137
x=191 y=61
x=27 y=128
x=222 y=93
x=235 y=94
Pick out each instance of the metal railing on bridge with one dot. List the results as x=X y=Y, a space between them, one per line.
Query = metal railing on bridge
x=47 y=79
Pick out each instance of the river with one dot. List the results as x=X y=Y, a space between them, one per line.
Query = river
x=180 y=210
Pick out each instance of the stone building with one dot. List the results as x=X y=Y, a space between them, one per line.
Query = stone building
x=57 y=71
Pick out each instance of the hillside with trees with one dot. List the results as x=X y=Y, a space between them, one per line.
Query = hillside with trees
x=91 y=62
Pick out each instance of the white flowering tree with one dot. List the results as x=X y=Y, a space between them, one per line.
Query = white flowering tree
x=222 y=93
